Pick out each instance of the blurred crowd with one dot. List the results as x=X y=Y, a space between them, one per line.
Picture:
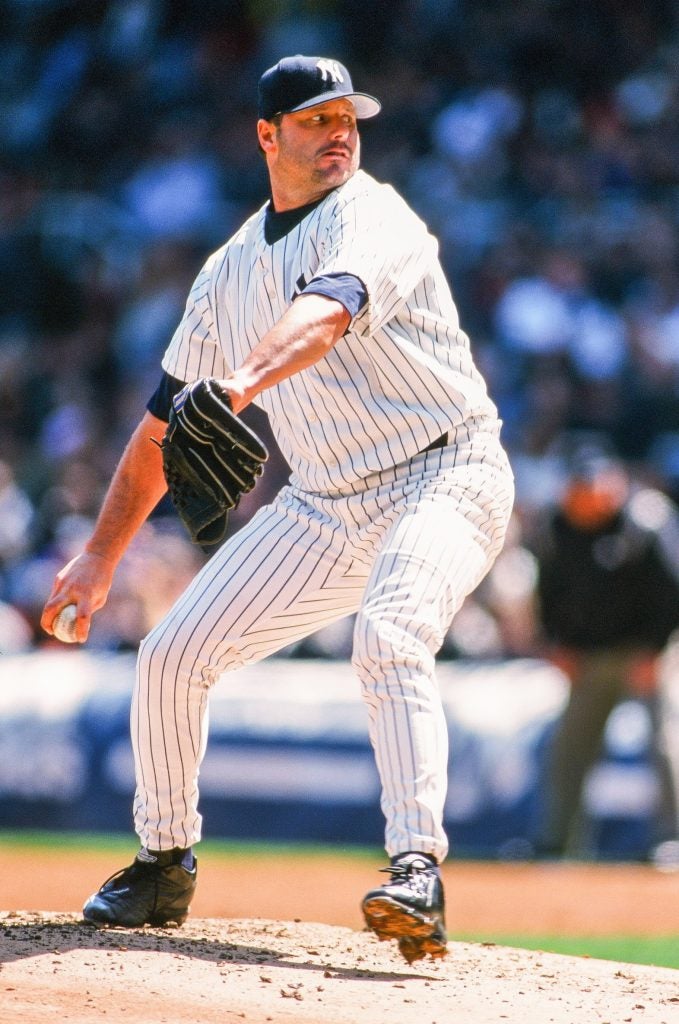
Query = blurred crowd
x=539 y=140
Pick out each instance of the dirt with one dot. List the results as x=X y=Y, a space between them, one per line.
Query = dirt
x=255 y=950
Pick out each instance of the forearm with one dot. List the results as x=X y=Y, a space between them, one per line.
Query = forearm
x=304 y=334
x=137 y=486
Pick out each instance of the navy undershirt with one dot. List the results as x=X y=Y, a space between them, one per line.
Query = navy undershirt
x=345 y=288
x=160 y=402
x=277 y=225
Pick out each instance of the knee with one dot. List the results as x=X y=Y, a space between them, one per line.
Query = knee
x=169 y=651
x=159 y=651
x=386 y=646
x=154 y=644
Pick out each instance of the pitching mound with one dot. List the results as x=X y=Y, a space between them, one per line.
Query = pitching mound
x=52 y=967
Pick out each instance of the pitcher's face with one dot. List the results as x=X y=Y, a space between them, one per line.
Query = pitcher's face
x=312 y=151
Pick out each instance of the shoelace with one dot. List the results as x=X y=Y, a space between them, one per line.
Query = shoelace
x=137 y=867
x=122 y=876
x=407 y=874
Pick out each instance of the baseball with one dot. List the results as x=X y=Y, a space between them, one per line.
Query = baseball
x=64 y=625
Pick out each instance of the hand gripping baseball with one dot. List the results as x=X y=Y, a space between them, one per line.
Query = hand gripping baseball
x=210 y=459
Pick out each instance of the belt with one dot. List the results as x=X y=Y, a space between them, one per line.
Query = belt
x=440 y=442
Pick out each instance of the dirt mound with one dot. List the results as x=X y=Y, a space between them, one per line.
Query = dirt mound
x=483 y=898
x=53 y=967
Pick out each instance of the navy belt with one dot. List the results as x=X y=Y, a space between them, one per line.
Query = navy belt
x=440 y=442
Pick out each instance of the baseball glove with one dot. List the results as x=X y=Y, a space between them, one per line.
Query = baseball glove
x=210 y=459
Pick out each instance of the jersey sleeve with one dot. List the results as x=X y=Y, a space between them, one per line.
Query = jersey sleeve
x=160 y=401
x=346 y=288
x=378 y=239
x=193 y=350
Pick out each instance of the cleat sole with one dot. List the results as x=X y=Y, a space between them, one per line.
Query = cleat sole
x=417 y=935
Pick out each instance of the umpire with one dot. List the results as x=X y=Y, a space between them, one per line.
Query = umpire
x=608 y=602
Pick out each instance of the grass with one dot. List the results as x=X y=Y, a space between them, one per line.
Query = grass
x=114 y=843
x=658 y=951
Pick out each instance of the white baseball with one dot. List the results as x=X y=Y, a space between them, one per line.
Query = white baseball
x=63 y=626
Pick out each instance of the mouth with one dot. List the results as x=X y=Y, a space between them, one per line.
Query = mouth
x=336 y=153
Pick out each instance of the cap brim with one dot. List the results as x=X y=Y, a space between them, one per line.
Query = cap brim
x=365 y=105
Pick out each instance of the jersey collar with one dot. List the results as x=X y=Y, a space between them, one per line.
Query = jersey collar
x=277 y=225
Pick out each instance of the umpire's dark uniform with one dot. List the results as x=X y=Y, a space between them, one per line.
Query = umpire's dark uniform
x=608 y=596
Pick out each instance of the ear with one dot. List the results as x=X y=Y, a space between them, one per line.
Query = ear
x=266 y=134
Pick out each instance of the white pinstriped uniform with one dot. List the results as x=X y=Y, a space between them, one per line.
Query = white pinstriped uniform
x=366 y=525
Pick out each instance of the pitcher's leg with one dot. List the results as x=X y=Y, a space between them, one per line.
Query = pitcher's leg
x=430 y=560
x=280 y=578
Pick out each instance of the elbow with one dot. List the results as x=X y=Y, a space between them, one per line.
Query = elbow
x=328 y=316
x=340 y=321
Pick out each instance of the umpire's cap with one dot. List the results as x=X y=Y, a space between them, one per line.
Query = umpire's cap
x=296 y=83
x=591 y=457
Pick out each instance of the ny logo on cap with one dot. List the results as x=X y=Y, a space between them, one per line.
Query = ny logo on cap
x=330 y=69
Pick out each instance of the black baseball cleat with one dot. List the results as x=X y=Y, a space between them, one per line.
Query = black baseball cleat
x=410 y=908
x=156 y=889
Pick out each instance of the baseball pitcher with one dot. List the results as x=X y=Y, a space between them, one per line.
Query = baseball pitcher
x=328 y=309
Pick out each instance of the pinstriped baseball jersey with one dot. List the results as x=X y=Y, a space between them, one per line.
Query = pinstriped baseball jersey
x=370 y=523
x=401 y=376
x=399 y=498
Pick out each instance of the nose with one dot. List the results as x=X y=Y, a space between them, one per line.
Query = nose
x=339 y=129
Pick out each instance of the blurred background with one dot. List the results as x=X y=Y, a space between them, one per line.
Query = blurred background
x=540 y=142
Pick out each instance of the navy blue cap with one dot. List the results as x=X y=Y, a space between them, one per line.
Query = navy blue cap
x=296 y=83
x=589 y=455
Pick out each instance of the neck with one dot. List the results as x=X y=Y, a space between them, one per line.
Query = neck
x=291 y=199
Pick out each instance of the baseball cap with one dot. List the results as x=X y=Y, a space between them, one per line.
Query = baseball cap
x=590 y=456
x=295 y=83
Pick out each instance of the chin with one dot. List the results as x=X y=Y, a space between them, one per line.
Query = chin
x=336 y=175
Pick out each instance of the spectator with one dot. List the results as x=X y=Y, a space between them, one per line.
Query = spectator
x=538 y=141
x=16 y=515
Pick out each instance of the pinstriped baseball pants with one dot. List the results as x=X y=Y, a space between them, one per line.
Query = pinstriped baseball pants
x=402 y=552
